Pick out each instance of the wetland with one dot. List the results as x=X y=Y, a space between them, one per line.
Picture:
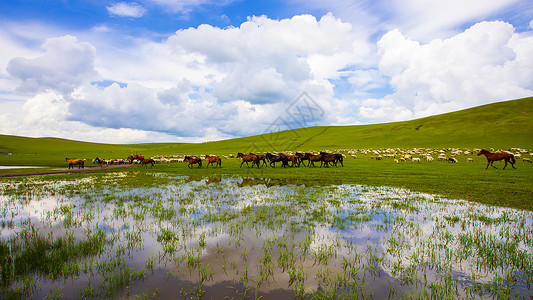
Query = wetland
x=150 y=235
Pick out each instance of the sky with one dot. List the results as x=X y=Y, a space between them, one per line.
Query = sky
x=204 y=70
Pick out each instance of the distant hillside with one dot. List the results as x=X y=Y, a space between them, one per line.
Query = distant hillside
x=499 y=125
x=502 y=124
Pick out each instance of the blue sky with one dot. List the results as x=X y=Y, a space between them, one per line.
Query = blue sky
x=148 y=71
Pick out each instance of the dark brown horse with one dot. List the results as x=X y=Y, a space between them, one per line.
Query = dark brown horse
x=338 y=157
x=302 y=158
x=328 y=158
x=260 y=158
x=215 y=160
x=248 y=158
x=192 y=161
x=294 y=159
x=313 y=158
x=277 y=158
x=495 y=156
x=144 y=162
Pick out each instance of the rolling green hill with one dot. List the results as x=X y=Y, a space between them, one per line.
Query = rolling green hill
x=499 y=125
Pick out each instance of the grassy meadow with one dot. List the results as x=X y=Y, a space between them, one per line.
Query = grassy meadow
x=502 y=125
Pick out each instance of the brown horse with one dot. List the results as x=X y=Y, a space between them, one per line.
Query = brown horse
x=215 y=160
x=495 y=156
x=192 y=161
x=313 y=158
x=260 y=158
x=294 y=159
x=144 y=162
x=248 y=158
x=328 y=158
x=73 y=162
x=338 y=157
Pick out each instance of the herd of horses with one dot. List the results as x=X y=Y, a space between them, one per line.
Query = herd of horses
x=269 y=159
x=296 y=160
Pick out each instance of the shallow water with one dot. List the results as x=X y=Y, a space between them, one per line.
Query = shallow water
x=245 y=238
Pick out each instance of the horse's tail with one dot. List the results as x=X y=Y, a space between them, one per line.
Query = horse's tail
x=512 y=159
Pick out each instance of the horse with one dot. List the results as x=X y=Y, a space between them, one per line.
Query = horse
x=277 y=158
x=495 y=156
x=294 y=159
x=76 y=161
x=192 y=161
x=313 y=158
x=302 y=158
x=338 y=158
x=215 y=160
x=328 y=158
x=260 y=158
x=144 y=162
x=248 y=158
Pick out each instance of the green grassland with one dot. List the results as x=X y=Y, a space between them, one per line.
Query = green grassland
x=501 y=125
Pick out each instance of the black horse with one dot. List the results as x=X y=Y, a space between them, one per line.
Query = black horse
x=277 y=158
x=302 y=158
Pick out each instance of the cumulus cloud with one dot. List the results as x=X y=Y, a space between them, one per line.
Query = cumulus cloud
x=486 y=63
x=65 y=64
x=126 y=9
x=268 y=61
x=237 y=81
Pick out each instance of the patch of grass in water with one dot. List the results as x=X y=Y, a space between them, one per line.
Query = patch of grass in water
x=29 y=253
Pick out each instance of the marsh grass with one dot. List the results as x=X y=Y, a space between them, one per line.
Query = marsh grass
x=122 y=234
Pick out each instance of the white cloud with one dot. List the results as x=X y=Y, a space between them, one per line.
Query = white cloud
x=268 y=61
x=126 y=9
x=425 y=20
x=235 y=81
x=64 y=65
x=421 y=20
x=486 y=63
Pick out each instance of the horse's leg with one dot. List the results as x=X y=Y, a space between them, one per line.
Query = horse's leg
x=491 y=164
x=506 y=160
